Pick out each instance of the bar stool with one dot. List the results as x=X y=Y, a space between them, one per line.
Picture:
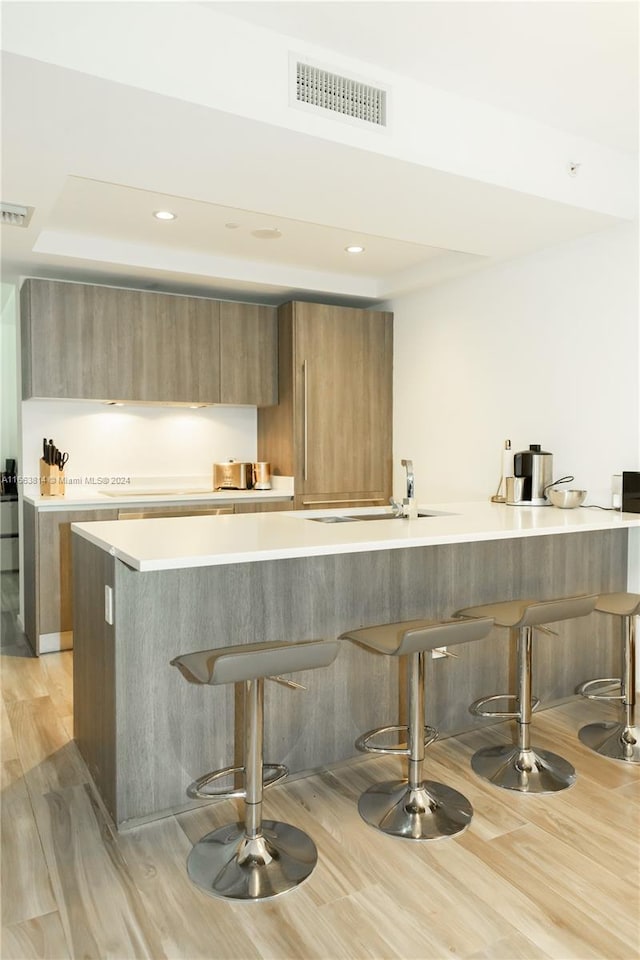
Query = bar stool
x=257 y=859
x=618 y=741
x=522 y=767
x=413 y=808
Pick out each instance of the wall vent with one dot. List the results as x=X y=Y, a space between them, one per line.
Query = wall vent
x=330 y=91
x=15 y=215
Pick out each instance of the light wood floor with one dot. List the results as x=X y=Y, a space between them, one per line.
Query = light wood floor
x=533 y=877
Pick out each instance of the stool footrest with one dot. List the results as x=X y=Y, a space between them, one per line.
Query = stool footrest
x=196 y=789
x=584 y=689
x=363 y=743
x=477 y=707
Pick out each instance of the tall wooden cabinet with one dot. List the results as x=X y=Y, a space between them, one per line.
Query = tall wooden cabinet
x=332 y=428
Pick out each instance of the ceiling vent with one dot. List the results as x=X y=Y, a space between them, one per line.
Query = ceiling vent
x=350 y=98
x=15 y=215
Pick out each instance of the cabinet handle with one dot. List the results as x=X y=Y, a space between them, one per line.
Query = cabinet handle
x=305 y=419
x=351 y=500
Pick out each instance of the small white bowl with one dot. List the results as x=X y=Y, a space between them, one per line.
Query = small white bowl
x=566 y=499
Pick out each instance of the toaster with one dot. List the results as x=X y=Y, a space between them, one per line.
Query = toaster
x=232 y=475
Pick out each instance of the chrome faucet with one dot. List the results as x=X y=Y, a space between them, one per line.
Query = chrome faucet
x=409 y=507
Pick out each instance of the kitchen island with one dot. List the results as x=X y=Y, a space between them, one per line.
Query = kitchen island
x=180 y=585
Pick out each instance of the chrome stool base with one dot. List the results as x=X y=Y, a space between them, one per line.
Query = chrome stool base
x=617 y=741
x=428 y=812
x=226 y=863
x=528 y=771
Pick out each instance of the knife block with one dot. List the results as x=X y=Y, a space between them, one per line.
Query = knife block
x=51 y=480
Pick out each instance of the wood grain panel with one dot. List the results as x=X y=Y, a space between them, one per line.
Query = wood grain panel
x=248 y=354
x=332 y=427
x=180 y=359
x=30 y=573
x=112 y=342
x=54 y=577
x=346 y=385
x=94 y=706
x=190 y=730
x=267 y=506
x=277 y=424
x=52 y=338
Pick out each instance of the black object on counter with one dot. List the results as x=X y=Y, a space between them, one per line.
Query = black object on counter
x=631 y=491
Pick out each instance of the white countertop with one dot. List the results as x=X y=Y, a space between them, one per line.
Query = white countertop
x=166 y=544
x=115 y=497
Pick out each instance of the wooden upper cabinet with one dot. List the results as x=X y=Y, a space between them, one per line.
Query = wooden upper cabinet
x=180 y=360
x=106 y=343
x=55 y=340
x=248 y=354
x=332 y=428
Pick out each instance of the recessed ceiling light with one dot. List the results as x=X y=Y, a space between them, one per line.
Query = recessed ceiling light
x=231 y=225
x=354 y=248
x=267 y=233
x=164 y=215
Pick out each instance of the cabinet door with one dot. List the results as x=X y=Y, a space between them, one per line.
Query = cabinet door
x=54 y=575
x=55 y=340
x=343 y=388
x=267 y=506
x=180 y=360
x=248 y=354
x=81 y=341
x=112 y=341
x=105 y=343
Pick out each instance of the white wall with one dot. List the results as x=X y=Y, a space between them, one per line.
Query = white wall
x=542 y=349
x=136 y=441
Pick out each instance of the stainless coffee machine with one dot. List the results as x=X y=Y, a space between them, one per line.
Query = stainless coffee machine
x=533 y=473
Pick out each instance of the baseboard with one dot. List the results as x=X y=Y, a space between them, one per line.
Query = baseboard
x=55 y=642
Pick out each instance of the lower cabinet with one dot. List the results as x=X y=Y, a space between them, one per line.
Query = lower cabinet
x=48 y=591
x=48 y=588
x=266 y=506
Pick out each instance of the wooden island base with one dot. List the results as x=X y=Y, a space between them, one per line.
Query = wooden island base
x=146 y=734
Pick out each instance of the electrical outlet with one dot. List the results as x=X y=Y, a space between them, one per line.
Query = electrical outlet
x=108 y=604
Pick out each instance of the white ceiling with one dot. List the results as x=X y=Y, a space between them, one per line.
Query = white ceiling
x=95 y=157
x=570 y=64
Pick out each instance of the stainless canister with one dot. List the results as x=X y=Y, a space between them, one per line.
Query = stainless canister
x=261 y=476
x=514 y=490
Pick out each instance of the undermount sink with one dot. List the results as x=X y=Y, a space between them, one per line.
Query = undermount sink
x=372 y=516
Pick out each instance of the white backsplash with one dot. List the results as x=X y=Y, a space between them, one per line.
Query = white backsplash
x=137 y=442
